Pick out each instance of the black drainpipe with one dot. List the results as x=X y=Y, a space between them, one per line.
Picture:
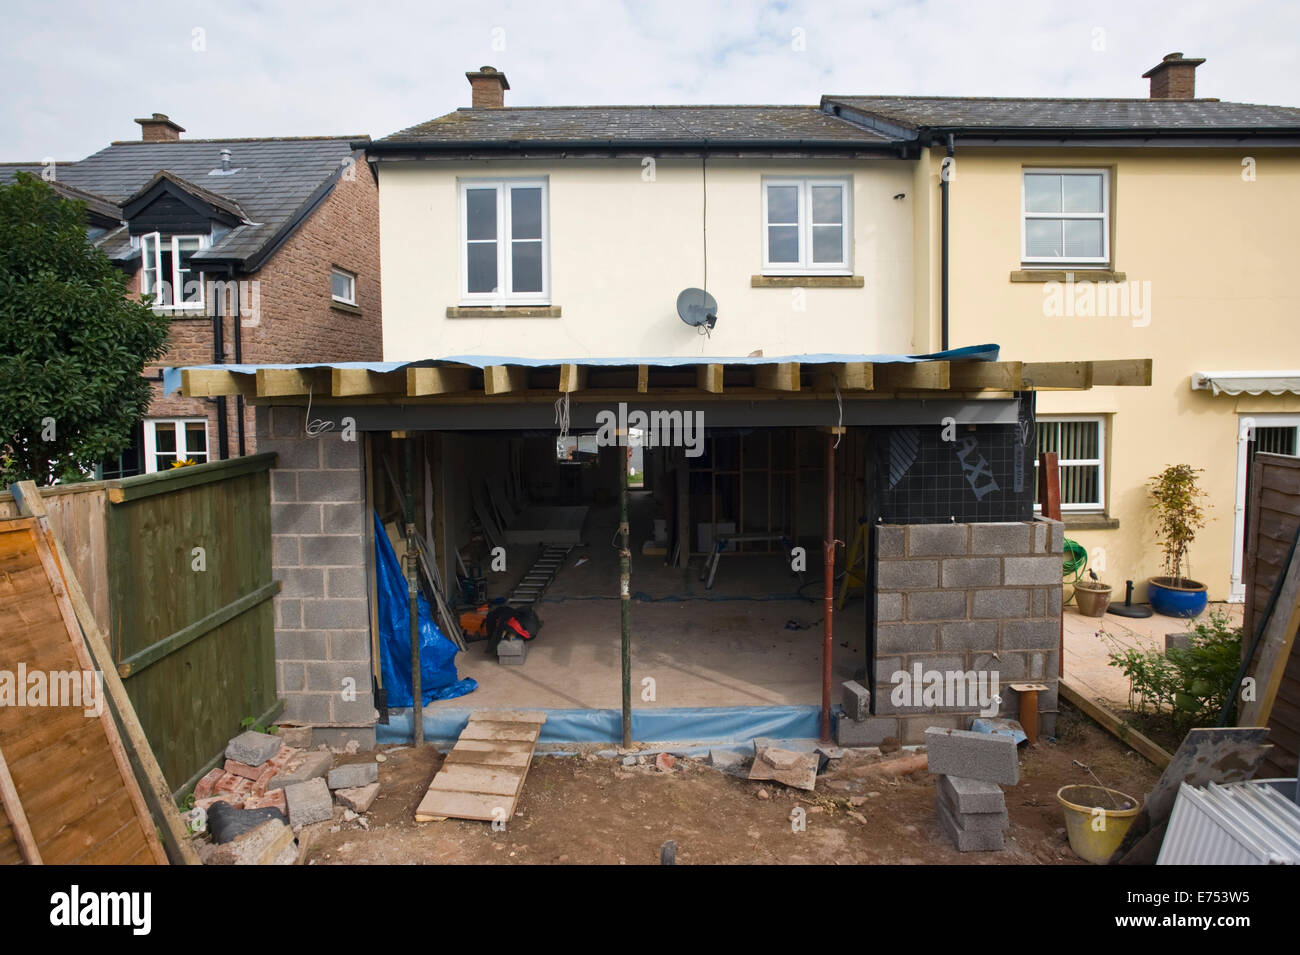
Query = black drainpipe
x=219 y=358
x=943 y=294
x=239 y=360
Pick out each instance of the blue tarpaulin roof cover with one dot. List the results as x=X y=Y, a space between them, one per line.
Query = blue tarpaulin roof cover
x=172 y=376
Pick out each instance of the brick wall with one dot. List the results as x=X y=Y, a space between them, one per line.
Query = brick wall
x=978 y=598
x=322 y=624
x=297 y=320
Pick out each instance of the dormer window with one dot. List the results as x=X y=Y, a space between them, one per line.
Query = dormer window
x=166 y=273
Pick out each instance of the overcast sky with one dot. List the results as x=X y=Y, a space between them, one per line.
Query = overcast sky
x=76 y=74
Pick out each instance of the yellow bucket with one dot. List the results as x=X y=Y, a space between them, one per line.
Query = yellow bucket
x=1094 y=826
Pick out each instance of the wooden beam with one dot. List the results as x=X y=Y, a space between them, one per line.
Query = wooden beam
x=203 y=383
x=642 y=379
x=846 y=375
x=504 y=379
x=13 y=807
x=912 y=376
x=573 y=378
x=783 y=376
x=1274 y=649
x=362 y=381
x=709 y=378
x=274 y=382
x=1124 y=371
x=1058 y=375
x=1123 y=730
x=991 y=375
x=436 y=381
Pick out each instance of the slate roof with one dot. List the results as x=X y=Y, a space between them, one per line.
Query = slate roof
x=1139 y=115
x=668 y=126
x=277 y=181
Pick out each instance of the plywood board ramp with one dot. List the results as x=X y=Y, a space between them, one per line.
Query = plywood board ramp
x=483 y=775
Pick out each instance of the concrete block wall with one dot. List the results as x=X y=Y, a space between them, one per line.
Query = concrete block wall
x=322 y=621
x=968 y=597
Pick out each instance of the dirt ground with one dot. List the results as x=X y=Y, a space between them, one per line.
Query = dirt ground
x=593 y=810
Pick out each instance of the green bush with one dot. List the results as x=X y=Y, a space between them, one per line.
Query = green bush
x=1187 y=685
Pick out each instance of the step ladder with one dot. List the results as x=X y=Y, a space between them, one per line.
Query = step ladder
x=549 y=562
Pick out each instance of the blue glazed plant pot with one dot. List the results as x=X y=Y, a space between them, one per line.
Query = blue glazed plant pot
x=1185 y=600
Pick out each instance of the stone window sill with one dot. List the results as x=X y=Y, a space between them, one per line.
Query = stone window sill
x=1058 y=275
x=806 y=281
x=345 y=307
x=505 y=311
x=1089 y=522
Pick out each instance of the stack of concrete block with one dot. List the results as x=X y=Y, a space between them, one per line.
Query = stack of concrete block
x=969 y=802
x=258 y=768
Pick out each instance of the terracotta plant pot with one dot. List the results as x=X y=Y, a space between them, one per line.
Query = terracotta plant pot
x=1091 y=599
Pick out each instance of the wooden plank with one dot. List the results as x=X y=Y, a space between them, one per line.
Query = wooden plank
x=362 y=381
x=573 y=378
x=166 y=482
x=277 y=382
x=483 y=729
x=986 y=375
x=17 y=818
x=912 y=376
x=504 y=379
x=783 y=376
x=173 y=642
x=509 y=716
x=709 y=378
x=475 y=806
x=846 y=375
x=1129 y=372
x=1274 y=650
x=1113 y=724
x=494 y=745
x=1057 y=375
x=436 y=381
x=466 y=778
x=642 y=379
x=203 y=383
x=489 y=757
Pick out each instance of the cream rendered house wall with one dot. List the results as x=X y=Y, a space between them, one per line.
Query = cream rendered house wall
x=1220 y=254
x=621 y=248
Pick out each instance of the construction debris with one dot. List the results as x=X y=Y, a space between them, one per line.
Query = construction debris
x=309 y=802
x=253 y=748
x=353 y=775
x=786 y=766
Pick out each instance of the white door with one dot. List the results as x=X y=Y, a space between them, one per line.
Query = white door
x=1276 y=434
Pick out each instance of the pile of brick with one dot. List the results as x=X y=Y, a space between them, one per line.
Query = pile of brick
x=262 y=771
x=969 y=802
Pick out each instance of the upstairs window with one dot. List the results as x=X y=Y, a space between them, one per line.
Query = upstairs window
x=343 y=287
x=505 y=257
x=166 y=271
x=1065 y=215
x=806 y=226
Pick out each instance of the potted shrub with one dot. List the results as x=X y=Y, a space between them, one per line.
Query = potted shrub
x=1176 y=502
x=1091 y=596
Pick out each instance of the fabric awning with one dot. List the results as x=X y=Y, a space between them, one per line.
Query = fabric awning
x=1247 y=382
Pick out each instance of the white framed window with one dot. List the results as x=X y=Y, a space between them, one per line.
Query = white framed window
x=807 y=226
x=1079 y=443
x=343 y=286
x=168 y=440
x=505 y=242
x=165 y=270
x=1065 y=216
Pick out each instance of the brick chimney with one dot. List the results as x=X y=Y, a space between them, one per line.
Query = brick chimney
x=487 y=88
x=159 y=129
x=1173 y=77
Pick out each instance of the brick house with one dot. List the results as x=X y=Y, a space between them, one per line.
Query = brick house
x=259 y=250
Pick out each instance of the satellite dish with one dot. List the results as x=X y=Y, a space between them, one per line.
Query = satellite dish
x=697 y=308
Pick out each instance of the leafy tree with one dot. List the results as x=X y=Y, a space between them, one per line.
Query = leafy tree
x=72 y=345
x=1176 y=497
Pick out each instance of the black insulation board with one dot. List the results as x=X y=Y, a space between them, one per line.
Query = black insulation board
x=928 y=474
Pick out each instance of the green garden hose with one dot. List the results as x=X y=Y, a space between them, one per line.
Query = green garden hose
x=1074 y=561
